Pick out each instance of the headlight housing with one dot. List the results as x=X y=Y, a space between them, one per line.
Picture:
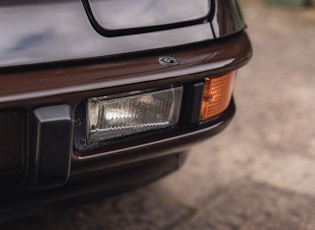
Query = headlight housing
x=121 y=115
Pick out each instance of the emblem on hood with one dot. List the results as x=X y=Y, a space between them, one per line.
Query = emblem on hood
x=168 y=61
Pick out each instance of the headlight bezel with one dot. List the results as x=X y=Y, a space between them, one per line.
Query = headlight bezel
x=81 y=142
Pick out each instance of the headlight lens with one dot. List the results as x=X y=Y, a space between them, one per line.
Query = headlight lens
x=132 y=113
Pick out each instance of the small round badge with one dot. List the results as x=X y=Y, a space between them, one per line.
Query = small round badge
x=168 y=61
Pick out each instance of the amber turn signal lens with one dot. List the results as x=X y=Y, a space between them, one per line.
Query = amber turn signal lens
x=216 y=95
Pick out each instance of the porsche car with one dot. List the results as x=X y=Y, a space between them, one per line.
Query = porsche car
x=101 y=96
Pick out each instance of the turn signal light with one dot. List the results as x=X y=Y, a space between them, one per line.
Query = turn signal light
x=216 y=95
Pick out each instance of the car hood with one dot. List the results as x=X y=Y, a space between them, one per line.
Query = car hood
x=58 y=31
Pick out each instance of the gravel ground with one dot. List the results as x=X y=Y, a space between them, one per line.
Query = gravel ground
x=259 y=173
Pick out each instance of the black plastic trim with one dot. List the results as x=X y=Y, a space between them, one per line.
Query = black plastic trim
x=50 y=148
x=192 y=99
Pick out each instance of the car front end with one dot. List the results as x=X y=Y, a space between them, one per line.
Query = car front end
x=97 y=97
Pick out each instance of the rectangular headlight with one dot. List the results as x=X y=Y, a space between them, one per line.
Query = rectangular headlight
x=131 y=113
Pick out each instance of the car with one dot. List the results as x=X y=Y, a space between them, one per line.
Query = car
x=102 y=96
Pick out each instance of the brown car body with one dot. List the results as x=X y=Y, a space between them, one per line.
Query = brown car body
x=46 y=63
